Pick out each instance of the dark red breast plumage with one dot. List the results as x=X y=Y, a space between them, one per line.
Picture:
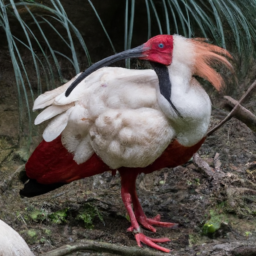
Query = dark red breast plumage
x=52 y=163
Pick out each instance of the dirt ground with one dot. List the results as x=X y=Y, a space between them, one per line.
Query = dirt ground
x=216 y=213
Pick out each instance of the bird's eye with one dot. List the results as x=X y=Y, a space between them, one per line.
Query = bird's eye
x=161 y=45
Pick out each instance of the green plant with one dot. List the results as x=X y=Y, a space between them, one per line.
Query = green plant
x=87 y=215
x=59 y=216
x=35 y=214
x=38 y=13
x=218 y=20
x=247 y=234
x=214 y=223
x=39 y=215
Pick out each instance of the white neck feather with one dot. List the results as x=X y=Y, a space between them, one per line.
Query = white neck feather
x=187 y=95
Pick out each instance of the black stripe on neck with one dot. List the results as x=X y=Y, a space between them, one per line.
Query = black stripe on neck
x=164 y=83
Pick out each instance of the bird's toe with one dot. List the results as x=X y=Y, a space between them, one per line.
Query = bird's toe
x=151 y=242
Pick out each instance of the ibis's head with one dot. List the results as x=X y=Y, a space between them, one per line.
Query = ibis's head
x=158 y=49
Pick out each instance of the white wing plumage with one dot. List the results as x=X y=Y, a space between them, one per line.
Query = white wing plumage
x=47 y=99
x=113 y=112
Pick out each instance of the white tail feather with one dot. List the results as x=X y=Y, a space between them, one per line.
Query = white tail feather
x=50 y=112
x=56 y=126
x=48 y=97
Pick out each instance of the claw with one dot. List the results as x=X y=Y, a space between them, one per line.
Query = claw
x=141 y=238
x=157 y=217
x=148 y=223
x=130 y=229
x=155 y=221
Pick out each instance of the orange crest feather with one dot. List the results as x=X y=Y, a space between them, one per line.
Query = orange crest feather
x=205 y=55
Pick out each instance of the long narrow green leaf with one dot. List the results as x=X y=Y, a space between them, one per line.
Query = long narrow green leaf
x=17 y=71
x=243 y=22
x=157 y=18
x=166 y=18
x=198 y=15
x=77 y=33
x=7 y=29
x=41 y=49
x=55 y=30
x=31 y=47
x=65 y=56
x=188 y=19
x=66 y=25
x=174 y=17
x=219 y=23
x=149 y=19
x=231 y=20
x=38 y=59
x=49 y=47
x=182 y=18
x=131 y=23
x=103 y=27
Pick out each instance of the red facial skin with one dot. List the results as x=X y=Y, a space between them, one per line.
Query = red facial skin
x=159 y=49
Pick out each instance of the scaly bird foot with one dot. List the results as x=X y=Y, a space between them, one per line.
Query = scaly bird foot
x=148 y=222
x=141 y=238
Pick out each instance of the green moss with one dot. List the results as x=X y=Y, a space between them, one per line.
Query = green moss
x=214 y=223
x=87 y=215
x=35 y=214
x=31 y=236
x=32 y=233
x=247 y=233
x=59 y=216
x=47 y=232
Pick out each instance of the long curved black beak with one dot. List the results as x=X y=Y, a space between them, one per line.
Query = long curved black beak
x=137 y=52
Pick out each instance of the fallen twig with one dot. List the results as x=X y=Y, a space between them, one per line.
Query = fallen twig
x=217 y=163
x=85 y=245
x=242 y=114
x=233 y=110
x=204 y=166
x=215 y=177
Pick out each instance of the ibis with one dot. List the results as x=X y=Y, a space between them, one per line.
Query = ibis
x=130 y=121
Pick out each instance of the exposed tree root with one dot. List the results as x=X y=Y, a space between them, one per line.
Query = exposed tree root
x=89 y=245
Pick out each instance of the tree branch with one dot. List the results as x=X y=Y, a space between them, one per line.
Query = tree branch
x=233 y=110
x=242 y=114
x=84 y=245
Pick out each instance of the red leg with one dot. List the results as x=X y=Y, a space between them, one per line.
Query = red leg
x=129 y=196
x=126 y=186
